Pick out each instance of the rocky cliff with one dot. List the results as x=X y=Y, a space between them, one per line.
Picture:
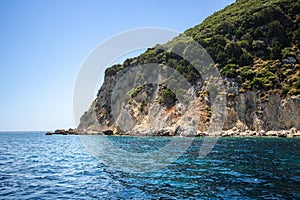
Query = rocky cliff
x=255 y=45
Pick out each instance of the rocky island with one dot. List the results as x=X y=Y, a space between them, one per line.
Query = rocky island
x=255 y=45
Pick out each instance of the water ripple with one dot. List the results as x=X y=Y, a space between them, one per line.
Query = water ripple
x=34 y=166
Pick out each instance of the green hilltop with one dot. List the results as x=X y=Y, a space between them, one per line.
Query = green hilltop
x=254 y=42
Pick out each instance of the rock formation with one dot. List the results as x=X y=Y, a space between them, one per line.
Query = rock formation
x=255 y=46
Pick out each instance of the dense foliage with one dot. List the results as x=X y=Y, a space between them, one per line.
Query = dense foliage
x=250 y=40
x=254 y=42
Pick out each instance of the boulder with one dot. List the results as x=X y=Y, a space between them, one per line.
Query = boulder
x=271 y=133
x=186 y=131
x=283 y=134
x=72 y=131
x=60 y=131
x=293 y=131
x=296 y=134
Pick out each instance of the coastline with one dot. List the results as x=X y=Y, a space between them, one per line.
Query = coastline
x=181 y=132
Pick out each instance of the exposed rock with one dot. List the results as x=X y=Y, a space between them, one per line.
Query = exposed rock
x=186 y=131
x=296 y=134
x=60 y=132
x=289 y=60
x=248 y=111
x=227 y=134
x=272 y=133
x=263 y=133
x=283 y=134
x=64 y=132
x=290 y=113
x=72 y=131
x=293 y=131
x=248 y=116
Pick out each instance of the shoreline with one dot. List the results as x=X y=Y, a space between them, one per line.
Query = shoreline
x=292 y=133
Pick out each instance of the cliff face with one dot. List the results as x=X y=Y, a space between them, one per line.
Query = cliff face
x=255 y=46
x=247 y=111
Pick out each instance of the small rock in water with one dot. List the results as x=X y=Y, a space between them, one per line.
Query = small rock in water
x=71 y=131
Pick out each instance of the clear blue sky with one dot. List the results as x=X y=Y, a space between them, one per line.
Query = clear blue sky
x=44 y=43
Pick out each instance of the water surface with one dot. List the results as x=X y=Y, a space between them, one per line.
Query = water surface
x=33 y=165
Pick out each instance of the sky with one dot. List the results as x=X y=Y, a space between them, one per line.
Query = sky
x=45 y=42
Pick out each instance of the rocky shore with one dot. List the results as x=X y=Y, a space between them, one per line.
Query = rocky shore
x=70 y=131
x=185 y=132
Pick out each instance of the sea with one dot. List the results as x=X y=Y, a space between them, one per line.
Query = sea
x=36 y=166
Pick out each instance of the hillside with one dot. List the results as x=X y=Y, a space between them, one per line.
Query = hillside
x=252 y=42
x=255 y=44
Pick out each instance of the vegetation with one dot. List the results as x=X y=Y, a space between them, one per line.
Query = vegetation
x=248 y=40
x=143 y=105
x=111 y=71
x=135 y=91
x=167 y=97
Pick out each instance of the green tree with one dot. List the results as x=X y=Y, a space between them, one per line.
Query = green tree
x=275 y=52
x=245 y=59
x=233 y=50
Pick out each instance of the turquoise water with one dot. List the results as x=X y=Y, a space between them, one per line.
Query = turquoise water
x=35 y=166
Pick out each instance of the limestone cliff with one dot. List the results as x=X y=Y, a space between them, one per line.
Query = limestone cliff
x=256 y=47
x=245 y=111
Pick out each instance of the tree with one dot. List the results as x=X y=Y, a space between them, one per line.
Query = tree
x=233 y=50
x=245 y=59
x=275 y=52
x=275 y=29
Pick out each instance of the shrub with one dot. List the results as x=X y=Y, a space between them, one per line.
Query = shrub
x=233 y=50
x=168 y=98
x=136 y=90
x=143 y=104
x=275 y=52
x=230 y=70
x=113 y=70
x=257 y=83
x=246 y=59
